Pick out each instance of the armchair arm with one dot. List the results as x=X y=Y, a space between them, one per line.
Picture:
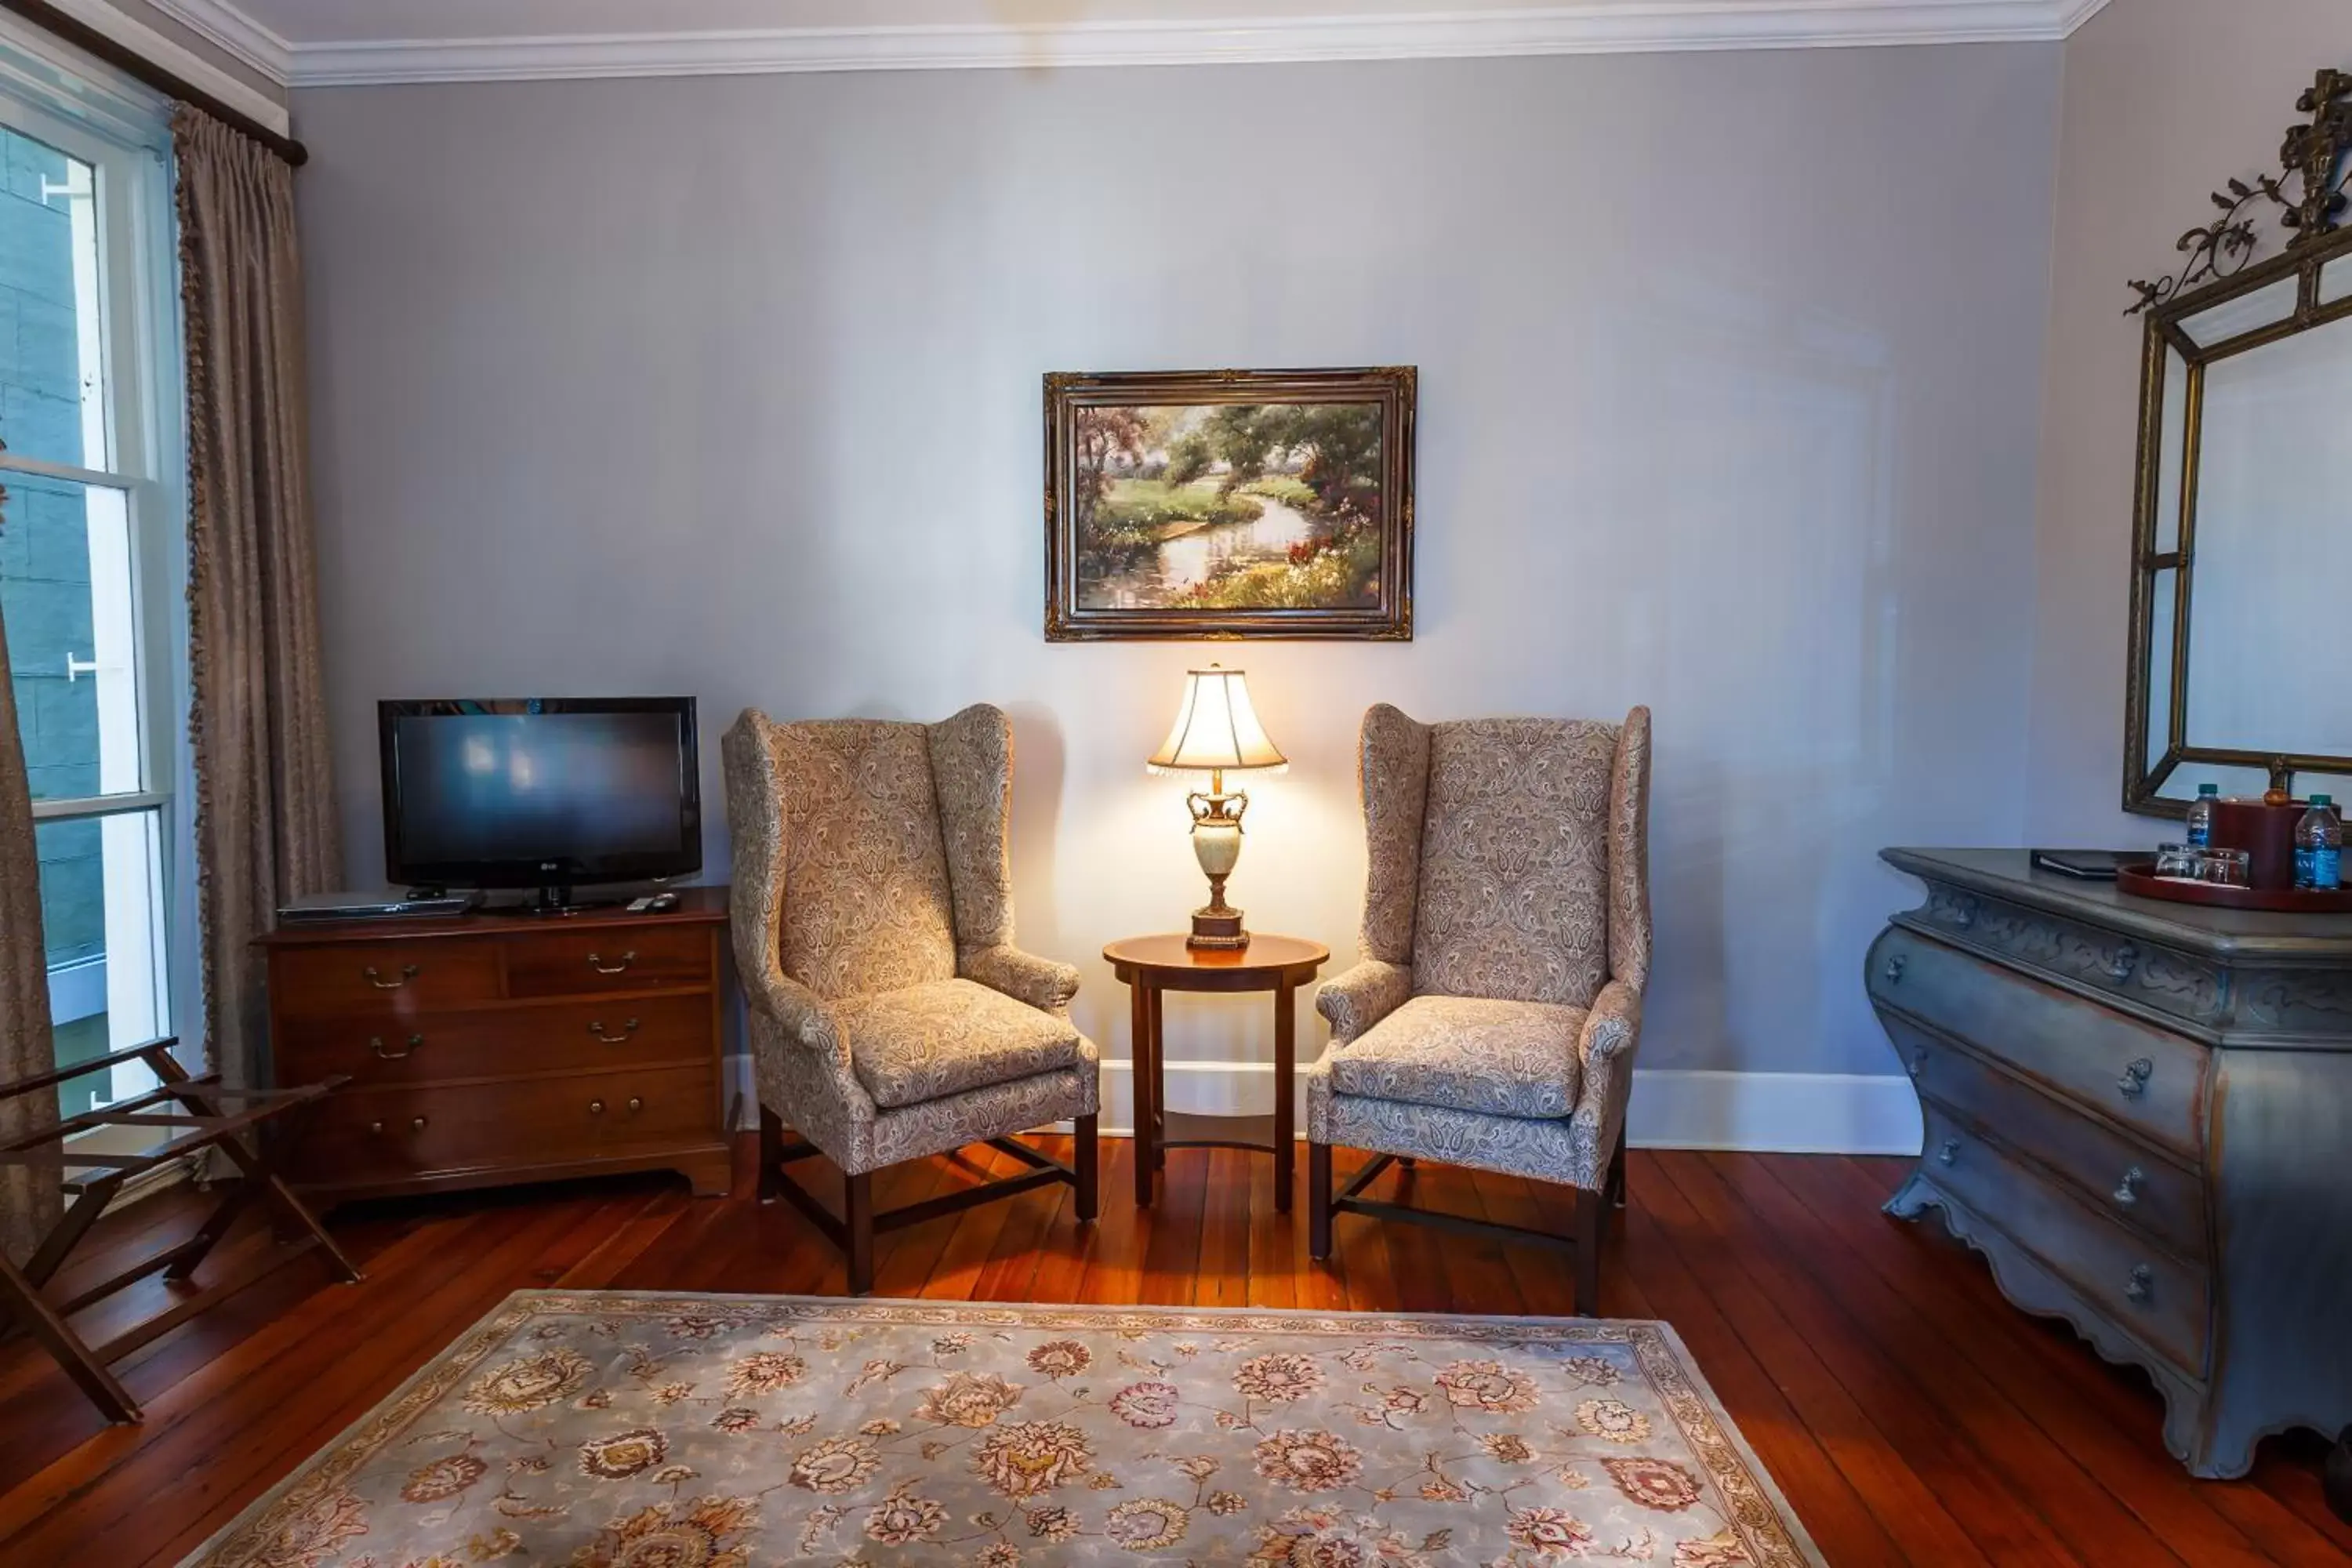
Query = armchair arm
x=1613 y=1030
x=1362 y=997
x=799 y=1011
x=1040 y=982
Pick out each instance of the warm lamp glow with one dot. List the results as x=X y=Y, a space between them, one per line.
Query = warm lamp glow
x=1216 y=729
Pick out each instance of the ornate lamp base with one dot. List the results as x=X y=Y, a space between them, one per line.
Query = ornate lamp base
x=1217 y=845
x=1216 y=925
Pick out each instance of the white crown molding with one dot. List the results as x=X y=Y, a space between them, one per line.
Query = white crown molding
x=1595 y=26
x=234 y=33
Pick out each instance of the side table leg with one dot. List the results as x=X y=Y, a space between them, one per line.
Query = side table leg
x=1285 y=1093
x=1143 y=1074
x=1159 y=1080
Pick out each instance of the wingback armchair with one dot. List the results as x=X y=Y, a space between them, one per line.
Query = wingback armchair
x=1494 y=1017
x=891 y=1015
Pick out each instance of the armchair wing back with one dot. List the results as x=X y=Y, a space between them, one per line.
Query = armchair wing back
x=1508 y=858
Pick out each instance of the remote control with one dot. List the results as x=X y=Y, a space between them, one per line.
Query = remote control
x=654 y=902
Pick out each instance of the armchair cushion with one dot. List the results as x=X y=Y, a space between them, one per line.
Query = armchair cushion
x=1515 y=861
x=924 y=1042
x=1468 y=1053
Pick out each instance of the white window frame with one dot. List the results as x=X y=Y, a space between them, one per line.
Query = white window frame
x=119 y=127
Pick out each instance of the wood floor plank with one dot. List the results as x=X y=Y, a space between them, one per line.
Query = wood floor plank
x=1994 y=1417
x=1845 y=1241
x=1907 y=1410
x=1905 y=1502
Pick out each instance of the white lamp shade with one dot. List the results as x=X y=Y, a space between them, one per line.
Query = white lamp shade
x=1216 y=729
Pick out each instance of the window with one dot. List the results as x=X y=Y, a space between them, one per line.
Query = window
x=92 y=547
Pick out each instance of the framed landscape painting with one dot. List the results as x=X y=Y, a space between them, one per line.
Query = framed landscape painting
x=1229 y=503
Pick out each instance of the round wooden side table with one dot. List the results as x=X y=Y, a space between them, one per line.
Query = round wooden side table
x=1153 y=965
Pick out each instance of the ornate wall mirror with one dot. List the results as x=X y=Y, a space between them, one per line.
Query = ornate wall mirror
x=2239 y=635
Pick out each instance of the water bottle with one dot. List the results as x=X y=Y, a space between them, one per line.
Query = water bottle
x=2200 y=816
x=2318 y=845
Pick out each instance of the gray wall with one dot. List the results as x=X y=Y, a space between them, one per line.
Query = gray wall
x=2164 y=100
x=1729 y=388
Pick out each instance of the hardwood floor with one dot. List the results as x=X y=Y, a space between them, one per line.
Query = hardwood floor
x=1908 y=1413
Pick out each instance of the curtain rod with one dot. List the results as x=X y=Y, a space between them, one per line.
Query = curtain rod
x=128 y=61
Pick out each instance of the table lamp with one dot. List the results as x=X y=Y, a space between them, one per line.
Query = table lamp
x=1217 y=732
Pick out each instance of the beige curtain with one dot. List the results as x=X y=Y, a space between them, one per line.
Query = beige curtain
x=28 y=1194
x=264 y=809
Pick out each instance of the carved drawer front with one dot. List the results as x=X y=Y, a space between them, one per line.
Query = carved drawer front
x=2186 y=987
x=636 y=958
x=2149 y=1079
x=395 y=1133
x=2132 y=1181
x=2121 y=1276
x=384 y=980
x=567 y=1038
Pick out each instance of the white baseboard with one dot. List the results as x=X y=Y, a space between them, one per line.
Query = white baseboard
x=1756 y=1112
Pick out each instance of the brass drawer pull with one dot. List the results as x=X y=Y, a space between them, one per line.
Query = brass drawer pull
x=375 y=1044
x=596 y=962
x=2126 y=959
x=2127 y=1191
x=1894 y=969
x=1918 y=1061
x=1949 y=1152
x=376 y=979
x=2142 y=1286
x=596 y=1107
x=2134 y=1083
x=635 y=1105
x=376 y=1128
x=417 y=1125
x=597 y=1030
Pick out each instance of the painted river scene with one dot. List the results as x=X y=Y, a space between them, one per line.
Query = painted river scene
x=1228 y=507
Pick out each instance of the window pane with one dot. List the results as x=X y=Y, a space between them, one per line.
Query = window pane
x=52 y=346
x=101 y=922
x=65 y=594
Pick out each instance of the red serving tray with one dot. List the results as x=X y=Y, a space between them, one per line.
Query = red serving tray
x=2139 y=880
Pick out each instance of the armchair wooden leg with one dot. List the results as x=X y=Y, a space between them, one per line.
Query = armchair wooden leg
x=1616 y=1187
x=1590 y=1206
x=1319 y=1200
x=1089 y=1199
x=857 y=1220
x=772 y=1155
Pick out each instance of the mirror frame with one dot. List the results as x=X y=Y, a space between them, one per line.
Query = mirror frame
x=2217 y=273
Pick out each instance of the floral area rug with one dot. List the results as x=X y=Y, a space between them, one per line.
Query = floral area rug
x=606 y=1430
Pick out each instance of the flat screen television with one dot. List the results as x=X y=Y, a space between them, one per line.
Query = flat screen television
x=547 y=793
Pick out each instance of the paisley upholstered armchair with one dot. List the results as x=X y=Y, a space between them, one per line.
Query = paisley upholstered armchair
x=891 y=1015
x=1494 y=1017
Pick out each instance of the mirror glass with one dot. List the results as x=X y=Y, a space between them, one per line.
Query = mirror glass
x=2263 y=307
x=2335 y=280
x=2269 y=637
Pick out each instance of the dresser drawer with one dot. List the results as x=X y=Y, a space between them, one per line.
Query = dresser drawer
x=383 y=980
x=559 y=1037
x=583 y=963
x=2130 y=1181
x=2155 y=1298
x=2147 y=1078
x=393 y=1134
x=2144 y=973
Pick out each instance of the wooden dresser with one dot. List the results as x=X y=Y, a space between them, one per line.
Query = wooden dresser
x=494 y=1049
x=2141 y=1113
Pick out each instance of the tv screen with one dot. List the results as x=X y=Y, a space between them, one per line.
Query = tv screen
x=541 y=793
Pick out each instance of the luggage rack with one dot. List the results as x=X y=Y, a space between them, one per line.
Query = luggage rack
x=198 y=1114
